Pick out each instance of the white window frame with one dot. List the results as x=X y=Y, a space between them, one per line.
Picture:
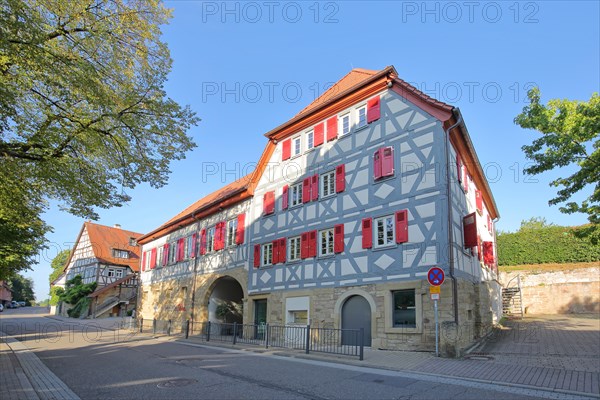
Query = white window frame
x=298 y=147
x=173 y=252
x=189 y=246
x=376 y=221
x=326 y=242
x=358 y=119
x=294 y=248
x=159 y=256
x=231 y=231
x=310 y=140
x=266 y=259
x=110 y=272
x=119 y=273
x=341 y=124
x=295 y=195
x=210 y=239
x=327 y=184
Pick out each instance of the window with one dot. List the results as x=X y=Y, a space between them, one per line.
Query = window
x=172 y=252
x=361 y=116
x=326 y=242
x=345 y=124
x=383 y=162
x=231 y=230
x=384 y=231
x=186 y=248
x=159 y=259
x=328 y=184
x=267 y=254
x=132 y=242
x=296 y=195
x=310 y=140
x=299 y=317
x=117 y=253
x=296 y=146
x=294 y=248
x=404 y=309
x=210 y=239
x=119 y=273
x=189 y=253
x=110 y=273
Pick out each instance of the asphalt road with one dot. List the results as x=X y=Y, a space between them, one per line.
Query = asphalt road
x=103 y=364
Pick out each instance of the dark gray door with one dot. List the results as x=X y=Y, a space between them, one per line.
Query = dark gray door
x=356 y=314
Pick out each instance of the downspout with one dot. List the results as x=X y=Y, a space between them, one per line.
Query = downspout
x=193 y=295
x=450 y=219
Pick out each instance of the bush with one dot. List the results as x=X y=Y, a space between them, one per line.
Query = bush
x=547 y=244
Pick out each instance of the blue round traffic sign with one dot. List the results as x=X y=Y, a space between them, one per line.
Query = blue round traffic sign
x=435 y=276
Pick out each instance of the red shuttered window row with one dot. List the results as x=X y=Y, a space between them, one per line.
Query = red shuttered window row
x=309 y=246
x=381 y=231
x=189 y=247
x=310 y=190
x=331 y=125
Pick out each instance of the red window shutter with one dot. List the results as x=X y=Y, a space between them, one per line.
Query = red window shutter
x=318 y=134
x=304 y=245
x=144 y=261
x=338 y=238
x=312 y=243
x=284 y=197
x=490 y=225
x=377 y=164
x=488 y=253
x=367 y=233
x=470 y=230
x=340 y=178
x=479 y=202
x=179 y=256
x=165 y=259
x=221 y=232
x=314 y=187
x=286 y=152
x=459 y=167
x=203 y=242
x=282 y=250
x=401 y=226
x=373 y=109
x=241 y=229
x=275 y=258
x=306 y=190
x=217 y=237
x=465 y=179
x=153 y=258
x=193 y=249
x=256 y=260
x=387 y=161
x=269 y=202
x=332 y=127
x=479 y=248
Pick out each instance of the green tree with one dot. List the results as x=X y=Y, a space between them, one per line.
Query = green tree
x=534 y=223
x=22 y=288
x=83 y=112
x=569 y=138
x=58 y=264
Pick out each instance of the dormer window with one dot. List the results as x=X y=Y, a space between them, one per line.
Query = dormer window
x=132 y=242
x=118 y=253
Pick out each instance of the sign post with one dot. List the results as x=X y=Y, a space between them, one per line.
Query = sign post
x=435 y=277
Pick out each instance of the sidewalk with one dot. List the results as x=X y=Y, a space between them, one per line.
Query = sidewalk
x=24 y=376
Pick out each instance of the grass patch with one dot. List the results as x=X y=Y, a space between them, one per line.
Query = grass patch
x=550 y=267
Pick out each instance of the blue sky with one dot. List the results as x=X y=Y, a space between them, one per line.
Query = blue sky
x=247 y=67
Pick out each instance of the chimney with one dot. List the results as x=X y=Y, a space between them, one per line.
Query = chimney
x=117 y=226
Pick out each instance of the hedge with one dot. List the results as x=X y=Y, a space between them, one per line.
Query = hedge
x=551 y=244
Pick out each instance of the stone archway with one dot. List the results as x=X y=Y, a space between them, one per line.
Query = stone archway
x=225 y=301
x=356 y=314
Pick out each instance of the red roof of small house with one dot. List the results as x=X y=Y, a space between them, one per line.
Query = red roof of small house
x=226 y=196
x=105 y=239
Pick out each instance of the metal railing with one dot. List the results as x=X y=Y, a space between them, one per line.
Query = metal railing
x=348 y=342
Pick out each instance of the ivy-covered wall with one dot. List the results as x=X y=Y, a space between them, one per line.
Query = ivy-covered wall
x=549 y=244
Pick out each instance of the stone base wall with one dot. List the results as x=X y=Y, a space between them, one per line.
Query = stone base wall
x=479 y=308
x=559 y=292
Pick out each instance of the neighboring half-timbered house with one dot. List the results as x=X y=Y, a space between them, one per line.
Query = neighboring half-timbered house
x=108 y=256
x=352 y=202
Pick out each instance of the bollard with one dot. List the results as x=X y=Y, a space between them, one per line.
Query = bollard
x=361 y=338
x=208 y=331
x=169 y=328
x=141 y=325
x=307 y=338
x=187 y=329
x=154 y=326
x=267 y=336
x=234 y=332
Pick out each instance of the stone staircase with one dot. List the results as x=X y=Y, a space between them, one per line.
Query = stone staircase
x=512 y=299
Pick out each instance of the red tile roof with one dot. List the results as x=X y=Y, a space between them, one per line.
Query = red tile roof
x=351 y=79
x=226 y=192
